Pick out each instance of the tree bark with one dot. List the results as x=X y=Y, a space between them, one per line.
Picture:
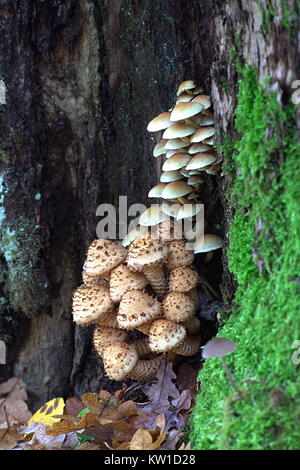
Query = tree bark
x=83 y=78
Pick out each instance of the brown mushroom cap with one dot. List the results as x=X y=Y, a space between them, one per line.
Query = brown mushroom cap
x=185 y=110
x=179 y=255
x=176 y=189
x=145 y=251
x=152 y=216
x=178 y=307
x=103 y=256
x=157 y=190
x=183 y=279
x=122 y=280
x=169 y=176
x=173 y=144
x=137 y=308
x=165 y=335
x=202 y=134
x=104 y=336
x=201 y=160
x=179 y=130
x=186 y=85
x=177 y=161
x=119 y=359
x=198 y=148
x=204 y=100
x=90 y=303
x=162 y=121
x=159 y=148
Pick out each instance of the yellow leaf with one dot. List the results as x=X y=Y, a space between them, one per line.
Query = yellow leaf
x=141 y=440
x=46 y=413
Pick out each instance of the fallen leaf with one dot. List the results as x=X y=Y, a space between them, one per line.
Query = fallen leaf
x=46 y=414
x=70 y=423
x=73 y=406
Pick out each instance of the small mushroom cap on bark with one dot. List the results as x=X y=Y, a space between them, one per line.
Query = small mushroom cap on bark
x=183 y=279
x=179 y=130
x=178 y=307
x=104 y=336
x=202 y=134
x=160 y=148
x=146 y=251
x=177 y=161
x=179 y=255
x=185 y=110
x=152 y=216
x=157 y=190
x=123 y=279
x=204 y=100
x=198 y=148
x=200 y=160
x=137 y=308
x=165 y=335
x=160 y=122
x=176 y=189
x=90 y=303
x=189 y=210
x=207 y=242
x=218 y=347
x=173 y=144
x=186 y=85
x=184 y=98
x=133 y=234
x=119 y=359
x=103 y=256
x=169 y=176
x=171 y=209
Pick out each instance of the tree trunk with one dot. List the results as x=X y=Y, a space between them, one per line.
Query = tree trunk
x=82 y=80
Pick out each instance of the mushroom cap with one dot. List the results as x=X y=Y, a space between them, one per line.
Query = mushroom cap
x=165 y=335
x=180 y=129
x=189 y=210
x=186 y=85
x=90 y=302
x=185 y=110
x=184 y=98
x=176 y=189
x=122 y=280
x=88 y=278
x=201 y=160
x=202 y=134
x=202 y=99
x=172 y=152
x=174 y=144
x=169 y=176
x=136 y=308
x=162 y=121
x=160 y=148
x=207 y=242
x=183 y=279
x=103 y=256
x=157 y=190
x=178 y=307
x=177 y=161
x=152 y=216
x=198 y=147
x=119 y=359
x=209 y=141
x=194 y=180
x=146 y=251
x=133 y=234
x=104 y=336
x=169 y=230
x=218 y=347
x=171 y=209
x=179 y=255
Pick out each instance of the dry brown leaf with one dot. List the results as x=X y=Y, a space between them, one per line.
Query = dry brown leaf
x=13 y=408
x=185 y=446
x=70 y=423
x=73 y=406
x=126 y=409
x=141 y=440
x=10 y=438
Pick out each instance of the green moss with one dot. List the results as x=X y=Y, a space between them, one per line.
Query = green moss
x=264 y=256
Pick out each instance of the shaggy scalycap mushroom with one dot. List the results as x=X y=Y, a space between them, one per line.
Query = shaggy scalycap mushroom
x=165 y=335
x=192 y=325
x=183 y=279
x=179 y=255
x=145 y=369
x=90 y=303
x=178 y=307
x=119 y=359
x=102 y=257
x=137 y=308
x=104 y=336
x=146 y=252
x=189 y=346
x=123 y=279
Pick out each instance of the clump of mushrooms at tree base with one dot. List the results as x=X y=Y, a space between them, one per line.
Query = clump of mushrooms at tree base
x=148 y=283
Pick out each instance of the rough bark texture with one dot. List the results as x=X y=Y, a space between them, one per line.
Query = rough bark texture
x=83 y=78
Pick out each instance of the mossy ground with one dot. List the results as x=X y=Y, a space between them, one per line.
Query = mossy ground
x=264 y=257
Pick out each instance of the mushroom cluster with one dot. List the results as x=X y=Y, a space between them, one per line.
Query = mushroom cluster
x=187 y=145
x=150 y=288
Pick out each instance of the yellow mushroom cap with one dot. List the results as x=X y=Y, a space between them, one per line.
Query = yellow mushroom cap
x=198 y=147
x=178 y=307
x=171 y=209
x=207 y=242
x=189 y=210
x=159 y=148
x=162 y=121
x=146 y=251
x=90 y=303
x=169 y=176
x=152 y=216
x=165 y=335
x=204 y=100
x=202 y=134
x=104 y=336
x=183 y=279
x=176 y=161
x=186 y=85
x=180 y=129
x=201 y=160
x=174 y=144
x=103 y=256
x=176 y=189
x=185 y=110
x=122 y=280
x=179 y=255
x=157 y=190
x=119 y=359
x=136 y=308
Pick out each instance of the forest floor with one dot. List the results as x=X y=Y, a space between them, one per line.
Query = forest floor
x=263 y=256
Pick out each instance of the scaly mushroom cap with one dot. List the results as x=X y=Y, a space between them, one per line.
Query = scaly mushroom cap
x=178 y=307
x=167 y=231
x=145 y=251
x=90 y=303
x=183 y=279
x=102 y=257
x=165 y=335
x=179 y=255
x=137 y=308
x=133 y=234
x=104 y=336
x=122 y=280
x=88 y=278
x=119 y=359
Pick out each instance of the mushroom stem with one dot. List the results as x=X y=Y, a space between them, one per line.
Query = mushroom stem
x=192 y=325
x=208 y=257
x=208 y=289
x=230 y=376
x=145 y=369
x=189 y=346
x=142 y=347
x=157 y=279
